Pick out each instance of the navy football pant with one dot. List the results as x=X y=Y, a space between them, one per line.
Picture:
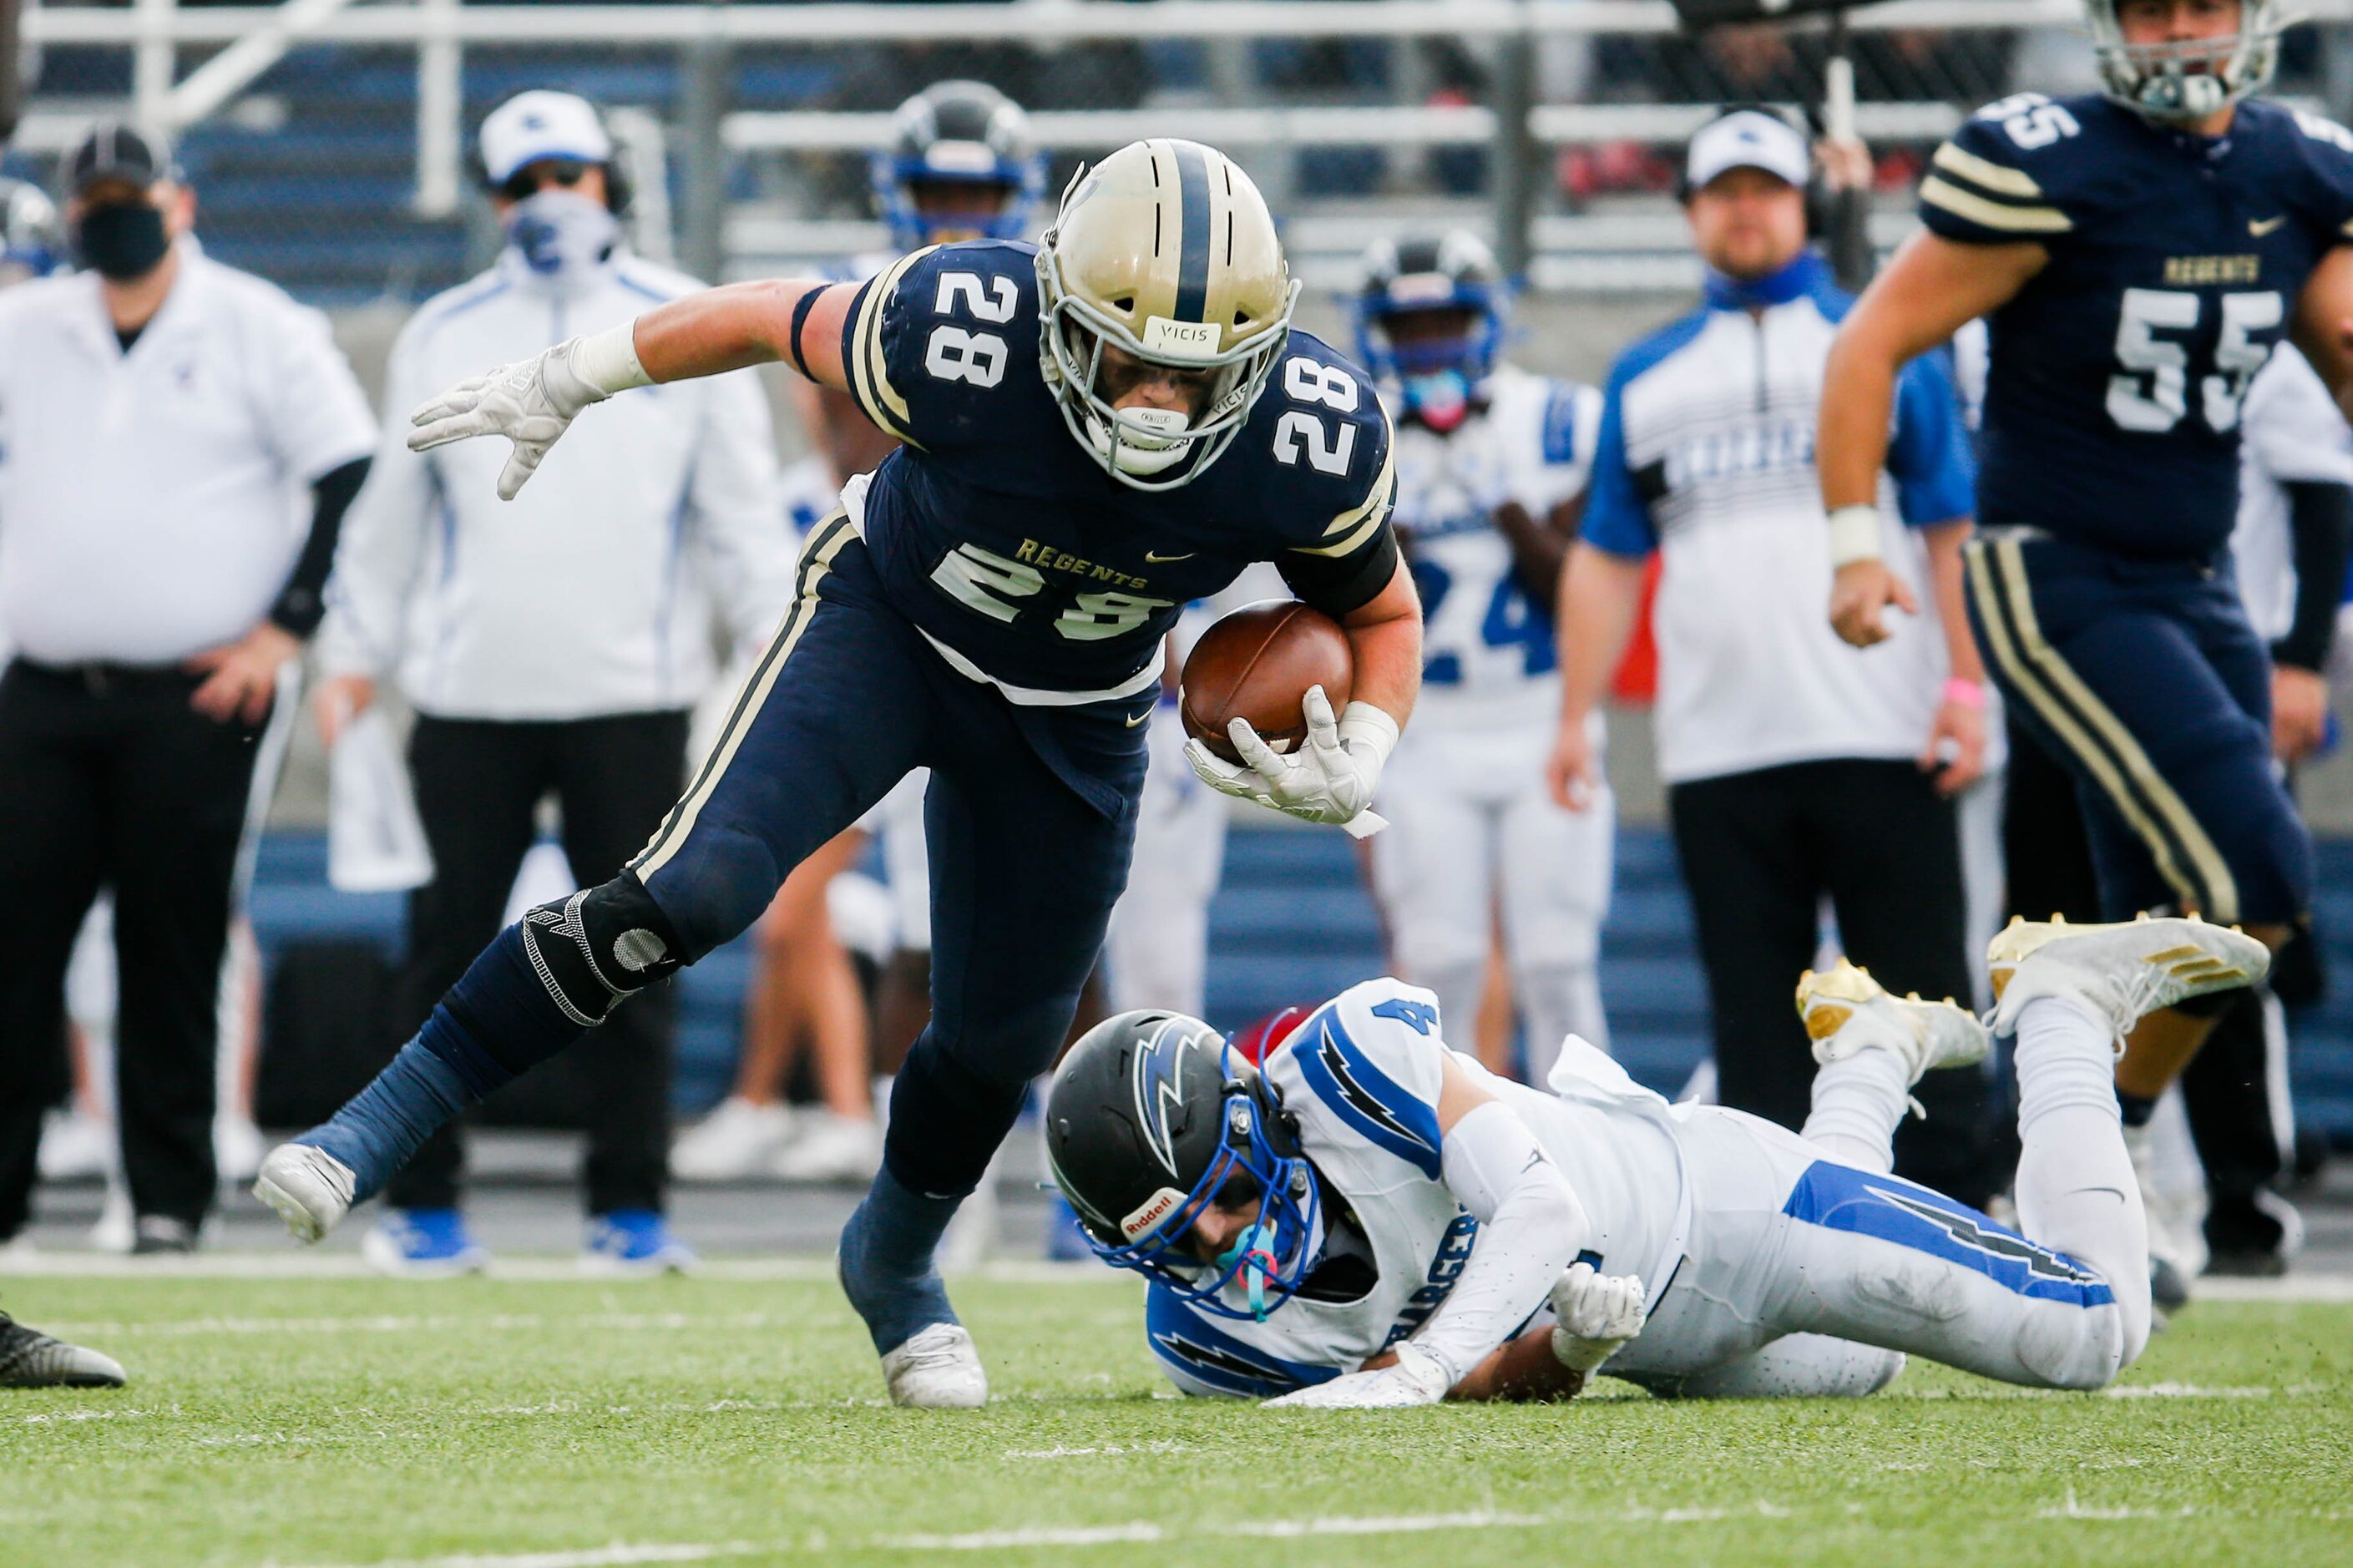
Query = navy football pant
x=1030 y=817
x=2145 y=680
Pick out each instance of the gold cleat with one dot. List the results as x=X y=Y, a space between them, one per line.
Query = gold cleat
x=2123 y=972
x=1845 y=1010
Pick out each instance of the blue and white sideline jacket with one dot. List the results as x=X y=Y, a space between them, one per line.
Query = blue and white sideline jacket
x=1707 y=456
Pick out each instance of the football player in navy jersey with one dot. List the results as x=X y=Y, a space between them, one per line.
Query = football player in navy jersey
x=2139 y=253
x=1098 y=429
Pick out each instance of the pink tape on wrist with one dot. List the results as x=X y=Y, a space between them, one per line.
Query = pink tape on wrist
x=1967 y=693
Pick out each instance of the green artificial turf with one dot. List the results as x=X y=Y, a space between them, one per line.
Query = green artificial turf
x=351 y=1421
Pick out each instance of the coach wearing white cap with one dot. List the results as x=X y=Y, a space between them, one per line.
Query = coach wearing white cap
x=178 y=442
x=1796 y=769
x=553 y=643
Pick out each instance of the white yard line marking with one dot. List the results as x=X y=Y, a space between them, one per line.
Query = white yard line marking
x=1108 y=1448
x=494 y=1322
x=292 y=1264
x=620 y=1554
x=2075 y=1509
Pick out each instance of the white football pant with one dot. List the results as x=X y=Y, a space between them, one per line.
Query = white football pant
x=1159 y=948
x=1472 y=827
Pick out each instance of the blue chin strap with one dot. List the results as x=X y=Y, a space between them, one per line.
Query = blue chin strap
x=1436 y=378
x=1273 y=1254
x=911 y=229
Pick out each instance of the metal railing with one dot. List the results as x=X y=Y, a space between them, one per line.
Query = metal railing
x=228 y=48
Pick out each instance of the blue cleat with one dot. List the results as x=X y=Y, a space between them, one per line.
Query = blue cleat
x=423 y=1244
x=630 y=1243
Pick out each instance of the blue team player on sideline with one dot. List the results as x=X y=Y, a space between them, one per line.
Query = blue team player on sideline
x=2140 y=253
x=1099 y=430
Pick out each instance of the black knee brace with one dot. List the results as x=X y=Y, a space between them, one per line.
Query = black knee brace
x=599 y=945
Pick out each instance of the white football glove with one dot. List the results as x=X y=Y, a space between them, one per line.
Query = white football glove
x=1416 y=1378
x=1330 y=779
x=531 y=403
x=1595 y=1314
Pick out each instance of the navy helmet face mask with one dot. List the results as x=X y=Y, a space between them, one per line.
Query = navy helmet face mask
x=958 y=133
x=1437 y=378
x=1151 y=1118
x=2189 y=82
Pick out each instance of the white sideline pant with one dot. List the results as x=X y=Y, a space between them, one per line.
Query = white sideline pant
x=1157 y=952
x=1472 y=826
x=1787 y=1244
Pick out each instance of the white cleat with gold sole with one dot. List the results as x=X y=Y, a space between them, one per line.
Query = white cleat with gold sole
x=2123 y=972
x=1845 y=1010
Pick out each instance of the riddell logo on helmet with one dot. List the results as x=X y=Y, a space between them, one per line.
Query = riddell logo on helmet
x=1180 y=339
x=1157 y=1207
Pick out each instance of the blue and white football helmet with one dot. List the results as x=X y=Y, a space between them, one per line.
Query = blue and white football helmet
x=1151 y=1118
x=2190 y=81
x=1456 y=273
x=32 y=239
x=958 y=133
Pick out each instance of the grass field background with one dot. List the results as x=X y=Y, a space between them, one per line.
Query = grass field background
x=561 y=1424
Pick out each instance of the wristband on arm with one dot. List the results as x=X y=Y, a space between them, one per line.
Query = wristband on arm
x=1854 y=535
x=607 y=360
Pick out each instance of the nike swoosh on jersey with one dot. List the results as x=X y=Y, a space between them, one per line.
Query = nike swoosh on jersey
x=1139 y=718
x=1156 y=559
x=2260 y=227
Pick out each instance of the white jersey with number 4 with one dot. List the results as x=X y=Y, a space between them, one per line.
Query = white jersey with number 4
x=1361 y=1076
x=1487 y=648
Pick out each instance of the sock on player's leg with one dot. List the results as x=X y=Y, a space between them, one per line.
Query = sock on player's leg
x=1859 y=1101
x=2076 y=1190
x=449 y=1065
x=947 y=1121
x=885 y=1262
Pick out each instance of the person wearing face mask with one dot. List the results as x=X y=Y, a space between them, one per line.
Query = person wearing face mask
x=553 y=644
x=178 y=444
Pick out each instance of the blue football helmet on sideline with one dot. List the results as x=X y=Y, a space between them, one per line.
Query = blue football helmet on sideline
x=1151 y=1118
x=958 y=133
x=1453 y=275
x=32 y=239
x=2190 y=81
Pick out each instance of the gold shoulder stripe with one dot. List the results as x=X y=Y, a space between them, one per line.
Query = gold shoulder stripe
x=1359 y=523
x=869 y=379
x=1985 y=173
x=1993 y=214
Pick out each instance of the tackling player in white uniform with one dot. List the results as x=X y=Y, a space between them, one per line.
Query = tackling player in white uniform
x=1492 y=464
x=1375 y=1220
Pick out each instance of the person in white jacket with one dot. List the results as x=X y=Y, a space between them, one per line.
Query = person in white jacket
x=555 y=643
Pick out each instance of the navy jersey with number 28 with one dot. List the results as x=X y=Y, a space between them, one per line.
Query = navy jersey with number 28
x=1009 y=546
x=2118 y=371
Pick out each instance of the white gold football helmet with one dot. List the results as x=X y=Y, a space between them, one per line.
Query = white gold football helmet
x=2190 y=81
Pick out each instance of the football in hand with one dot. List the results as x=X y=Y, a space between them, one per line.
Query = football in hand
x=1257 y=664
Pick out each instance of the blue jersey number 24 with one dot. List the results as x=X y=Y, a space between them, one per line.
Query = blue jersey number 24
x=1511 y=621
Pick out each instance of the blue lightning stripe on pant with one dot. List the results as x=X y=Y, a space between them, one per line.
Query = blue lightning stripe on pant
x=1839 y=1198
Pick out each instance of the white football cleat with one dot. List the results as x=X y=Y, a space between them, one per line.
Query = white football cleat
x=734 y=1143
x=831 y=1147
x=310 y=1188
x=2123 y=973
x=938 y=1369
x=1845 y=1010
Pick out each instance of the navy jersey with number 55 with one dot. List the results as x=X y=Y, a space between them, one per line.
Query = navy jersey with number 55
x=2118 y=371
x=1006 y=544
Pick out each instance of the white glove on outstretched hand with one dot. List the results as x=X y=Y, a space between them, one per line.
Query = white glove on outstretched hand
x=1595 y=1314
x=532 y=402
x=1416 y=1378
x=1330 y=779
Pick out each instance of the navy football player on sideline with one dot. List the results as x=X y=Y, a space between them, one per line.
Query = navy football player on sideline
x=1099 y=429
x=2139 y=253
